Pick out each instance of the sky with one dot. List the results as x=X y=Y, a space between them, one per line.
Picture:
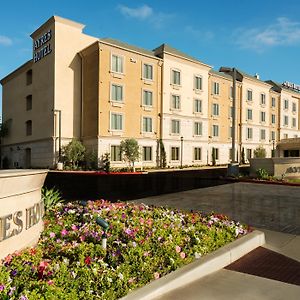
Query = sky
x=257 y=36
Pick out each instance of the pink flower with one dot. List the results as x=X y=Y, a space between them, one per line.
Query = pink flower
x=178 y=249
x=50 y=282
x=146 y=253
x=64 y=232
x=142 y=221
x=82 y=238
x=52 y=234
x=74 y=227
x=156 y=275
x=182 y=255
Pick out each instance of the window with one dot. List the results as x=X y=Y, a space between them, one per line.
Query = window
x=263 y=116
x=29 y=102
x=147 y=124
x=273 y=135
x=175 y=126
x=198 y=83
x=117 y=63
x=147 y=153
x=116 y=121
x=249 y=95
x=116 y=93
x=286 y=120
x=249 y=133
x=198 y=128
x=174 y=153
x=285 y=136
x=148 y=72
x=262 y=134
x=29 y=77
x=147 y=98
x=115 y=153
x=215 y=152
x=175 y=77
x=197 y=105
x=197 y=153
x=249 y=114
x=231 y=92
x=273 y=119
x=273 y=102
x=294 y=107
x=286 y=104
x=263 y=99
x=230 y=132
x=294 y=122
x=175 y=102
x=215 y=130
x=29 y=127
x=216 y=88
x=249 y=153
x=215 y=109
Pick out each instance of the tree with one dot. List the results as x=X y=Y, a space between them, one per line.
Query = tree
x=260 y=152
x=130 y=151
x=243 y=161
x=73 y=153
x=4 y=131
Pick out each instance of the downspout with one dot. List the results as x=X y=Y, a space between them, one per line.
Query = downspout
x=161 y=109
x=81 y=97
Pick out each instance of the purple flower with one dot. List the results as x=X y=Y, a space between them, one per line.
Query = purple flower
x=64 y=232
x=2 y=287
x=23 y=297
x=14 y=272
x=52 y=234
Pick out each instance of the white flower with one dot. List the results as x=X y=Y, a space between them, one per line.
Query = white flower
x=197 y=255
x=120 y=275
x=109 y=279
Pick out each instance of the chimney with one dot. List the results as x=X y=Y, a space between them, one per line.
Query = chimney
x=256 y=75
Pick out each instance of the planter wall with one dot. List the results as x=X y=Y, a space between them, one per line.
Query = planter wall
x=21 y=209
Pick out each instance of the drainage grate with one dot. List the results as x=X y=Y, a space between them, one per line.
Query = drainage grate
x=266 y=263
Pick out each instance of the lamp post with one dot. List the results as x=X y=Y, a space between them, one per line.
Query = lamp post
x=181 y=151
x=59 y=132
x=233 y=167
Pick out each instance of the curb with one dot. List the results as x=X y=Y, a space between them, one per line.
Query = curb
x=199 y=268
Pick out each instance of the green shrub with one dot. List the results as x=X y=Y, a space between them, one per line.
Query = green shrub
x=262 y=173
x=260 y=152
x=73 y=154
x=51 y=197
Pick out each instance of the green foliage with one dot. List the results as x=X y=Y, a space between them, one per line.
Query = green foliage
x=213 y=156
x=143 y=244
x=51 y=197
x=130 y=150
x=243 y=160
x=106 y=162
x=73 y=153
x=4 y=129
x=260 y=152
x=262 y=174
x=163 y=155
x=91 y=159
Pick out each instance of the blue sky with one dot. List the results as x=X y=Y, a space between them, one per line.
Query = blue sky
x=256 y=36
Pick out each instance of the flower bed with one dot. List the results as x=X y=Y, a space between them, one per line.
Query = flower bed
x=143 y=244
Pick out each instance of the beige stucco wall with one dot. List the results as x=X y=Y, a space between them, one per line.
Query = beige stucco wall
x=20 y=197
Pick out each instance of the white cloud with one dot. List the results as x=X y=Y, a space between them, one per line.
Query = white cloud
x=143 y=12
x=283 y=32
x=199 y=34
x=5 y=41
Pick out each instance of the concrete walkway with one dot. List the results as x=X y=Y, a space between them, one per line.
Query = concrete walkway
x=226 y=284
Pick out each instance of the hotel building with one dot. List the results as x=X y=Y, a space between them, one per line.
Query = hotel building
x=102 y=91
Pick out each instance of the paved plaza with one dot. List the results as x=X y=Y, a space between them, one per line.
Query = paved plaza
x=269 y=208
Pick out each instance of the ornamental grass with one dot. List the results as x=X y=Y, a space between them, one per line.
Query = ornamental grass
x=144 y=243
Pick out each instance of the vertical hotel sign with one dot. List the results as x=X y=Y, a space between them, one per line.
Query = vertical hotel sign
x=42 y=46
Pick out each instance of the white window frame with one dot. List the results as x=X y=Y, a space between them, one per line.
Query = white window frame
x=217 y=106
x=262 y=134
x=294 y=107
x=273 y=119
x=286 y=120
x=144 y=158
x=216 y=88
x=294 y=122
x=273 y=102
x=199 y=126
x=111 y=157
x=123 y=63
x=195 y=82
x=248 y=93
x=172 y=78
x=171 y=151
x=262 y=99
x=249 y=112
x=200 y=101
x=172 y=98
x=143 y=98
x=262 y=116
x=144 y=128
x=179 y=126
x=249 y=133
x=143 y=74
x=110 y=121
x=111 y=92
x=196 y=158
x=285 y=104
x=273 y=135
x=215 y=126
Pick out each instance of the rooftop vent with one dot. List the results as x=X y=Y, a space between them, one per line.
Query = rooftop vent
x=256 y=75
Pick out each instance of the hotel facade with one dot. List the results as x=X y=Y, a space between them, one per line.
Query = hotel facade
x=102 y=91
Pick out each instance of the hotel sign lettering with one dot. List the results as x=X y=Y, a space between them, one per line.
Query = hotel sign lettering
x=42 y=46
x=14 y=223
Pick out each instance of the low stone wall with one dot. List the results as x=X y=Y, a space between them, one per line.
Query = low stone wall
x=21 y=209
x=279 y=167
